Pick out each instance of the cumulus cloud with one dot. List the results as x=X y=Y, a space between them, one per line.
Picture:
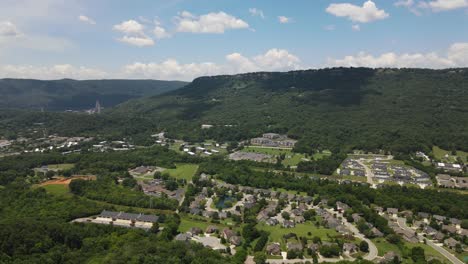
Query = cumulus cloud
x=171 y=70
x=457 y=56
x=8 y=29
x=405 y=3
x=86 y=20
x=139 y=41
x=433 y=5
x=256 y=12
x=284 y=20
x=216 y=23
x=59 y=71
x=134 y=34
x=272 y=60
x=368 y=12
x=130 y=27
x=161 y=32
x=444 y=5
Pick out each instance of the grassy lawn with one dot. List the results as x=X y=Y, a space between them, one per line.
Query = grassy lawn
x=57 y=189
x=293 y=159
x=383 y=247
x=65 y=166
x=183 y=171
x=440 y=154
x=324 y=153
x=222 y=151
x=277 y=232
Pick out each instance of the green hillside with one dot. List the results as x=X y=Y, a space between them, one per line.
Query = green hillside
x=363 y=108
x=341 y=108
x=77 y=95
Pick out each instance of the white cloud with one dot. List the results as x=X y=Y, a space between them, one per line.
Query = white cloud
x=272 y=60
x=130 y=27
x=210 y=23
x=256 y=12
x=86 y=20
x=53 y=72
x=356 y=27
x=458 y=53
x=139 y=41
x=134 y=34
x=284 y=20
x=433 y=5
x=457 y=56
x=277 y=60
x=170 y=70
x=405 y=3
x=410 y=5
x=444 y=5
x=161 y=32
x=8 y=29
x=329 y=27
x=367 y=13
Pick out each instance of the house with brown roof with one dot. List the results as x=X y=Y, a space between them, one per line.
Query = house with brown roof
x=273 y=249
x=451 y=243
x=228 y=233
x=350 y=248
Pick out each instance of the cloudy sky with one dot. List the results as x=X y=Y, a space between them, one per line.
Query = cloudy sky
x=184 y=39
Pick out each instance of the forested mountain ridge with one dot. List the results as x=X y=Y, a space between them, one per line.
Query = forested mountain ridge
x=77 y=95
x=401 y=110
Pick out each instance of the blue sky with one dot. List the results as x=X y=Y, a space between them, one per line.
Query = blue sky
x=184 y=39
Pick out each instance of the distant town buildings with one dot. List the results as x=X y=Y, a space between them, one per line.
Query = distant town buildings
x=273 y=140
x=448 y=181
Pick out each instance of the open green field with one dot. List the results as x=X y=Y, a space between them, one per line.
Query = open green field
x=222 y=151
x=277 y=232
x=57 y=189
x=64 y=166
x=439 y=154
x=324 y=153
x=383 y=246
x=183 y=171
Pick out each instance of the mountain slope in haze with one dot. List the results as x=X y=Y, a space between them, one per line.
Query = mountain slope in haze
x=77 y=95
x=400 y=110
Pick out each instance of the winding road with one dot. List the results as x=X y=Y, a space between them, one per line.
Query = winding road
x=402 y=223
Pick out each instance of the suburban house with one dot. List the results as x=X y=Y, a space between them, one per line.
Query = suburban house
x=273 y=249
x=129 y=216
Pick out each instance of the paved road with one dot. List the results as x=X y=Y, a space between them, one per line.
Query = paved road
x=373 y=252
x=369 y=173
x=402 y=223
